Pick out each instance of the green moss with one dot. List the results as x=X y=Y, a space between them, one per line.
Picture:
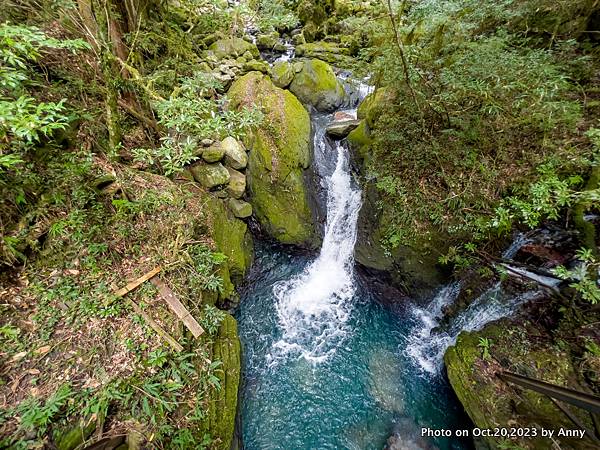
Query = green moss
x=492 y=403
x=359 y=140
x=282 y=74
x=73 y=437
x=232 y=238
x=278 y=157
x=232 y=48
x=375 y=104
x=222 y=408
x=317 y=85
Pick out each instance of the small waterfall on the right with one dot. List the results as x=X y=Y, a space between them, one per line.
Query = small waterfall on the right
x=430 y=337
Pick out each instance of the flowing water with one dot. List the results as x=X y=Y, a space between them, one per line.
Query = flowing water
x=325 y=366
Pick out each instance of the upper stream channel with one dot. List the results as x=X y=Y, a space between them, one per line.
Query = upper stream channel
x=326 y=365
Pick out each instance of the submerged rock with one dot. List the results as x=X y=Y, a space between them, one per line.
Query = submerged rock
x=341 y=129
x=278 y=157
x=385 y=376
x=210 y=175
x=317 y=85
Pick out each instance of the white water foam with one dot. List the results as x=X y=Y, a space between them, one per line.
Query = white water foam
x=426 y=345
x=314 y=307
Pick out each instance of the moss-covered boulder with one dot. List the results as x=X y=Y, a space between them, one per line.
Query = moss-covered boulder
x=374 y=104
x=490 y=402
x=232 y=48
x=231 y=237
x=279 y=154
x=237 y=183
x=359 y=140
x=256 y=65
x=223 y=402
x=325 y=51
x=214 y=153
x=210 y=175
x=240 y=208
x=317 y=85
x=267 y=41
x=235 y=153
x=282 y=74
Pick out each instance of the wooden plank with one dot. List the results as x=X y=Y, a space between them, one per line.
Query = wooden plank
x=156 y=327
x=135 y=283
x=177 y=307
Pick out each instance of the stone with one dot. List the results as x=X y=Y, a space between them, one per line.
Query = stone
x=267 y=41
x=282 y=74
x=341 y=129
x=342 y=115
x=235 y=154
x=298 y=39
x=278 y=157
x=248 y=56
x=374 y=104
x=206 y=142
x=204 y=67
x=210 y=175
x=237 y=183
x=280 y=47
x=224 y=79
x=232 y=238
x=232 y=48
x=489 y=401
x=240 y=208
x=256 y=65
x=317 y=85
x=213 y=153
x=325 y=51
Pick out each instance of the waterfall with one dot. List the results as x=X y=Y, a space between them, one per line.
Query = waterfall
x=313 y=308
x=427 y=344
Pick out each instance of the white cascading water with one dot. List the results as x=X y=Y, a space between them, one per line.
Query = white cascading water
x=314 y=307
x=426 y=345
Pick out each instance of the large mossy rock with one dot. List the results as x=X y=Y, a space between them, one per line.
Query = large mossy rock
x=282 y=74
x=279 y=154
x=317 y=85
x=232 y=238
x=325 y=51
x=223 y=402
x=521 y=347
x=233 y=48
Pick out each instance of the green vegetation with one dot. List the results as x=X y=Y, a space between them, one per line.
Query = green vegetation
x=485 y=127
x=484 y=121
